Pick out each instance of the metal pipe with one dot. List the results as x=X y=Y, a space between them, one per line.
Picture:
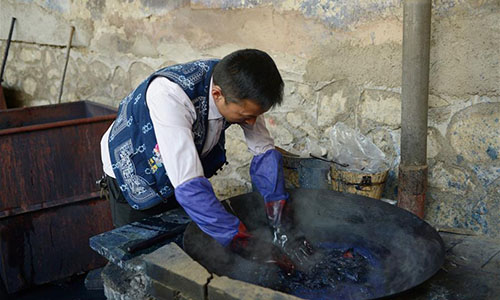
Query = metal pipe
x=68 y=48
x=414 y=105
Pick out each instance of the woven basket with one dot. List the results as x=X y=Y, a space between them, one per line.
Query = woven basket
x=370 y=185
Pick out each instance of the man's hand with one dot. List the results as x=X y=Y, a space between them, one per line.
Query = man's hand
x=286 y=236
x=253 y=248
x=294 y=244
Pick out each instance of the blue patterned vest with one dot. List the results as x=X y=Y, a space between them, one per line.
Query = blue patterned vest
x=135 y=156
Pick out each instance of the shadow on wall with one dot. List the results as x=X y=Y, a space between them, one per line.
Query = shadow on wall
x=15 y=97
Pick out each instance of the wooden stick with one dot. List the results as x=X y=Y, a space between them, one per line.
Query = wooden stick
x=7 y=48
x=3 y=103
x=68 y=47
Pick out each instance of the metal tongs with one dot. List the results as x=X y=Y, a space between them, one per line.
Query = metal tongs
x=328 y=160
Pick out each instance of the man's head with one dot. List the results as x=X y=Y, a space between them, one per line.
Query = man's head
x=247 y=83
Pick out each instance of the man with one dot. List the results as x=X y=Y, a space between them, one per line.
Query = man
x=168 y=138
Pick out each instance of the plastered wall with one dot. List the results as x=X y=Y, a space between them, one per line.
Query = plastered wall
x=341 y=61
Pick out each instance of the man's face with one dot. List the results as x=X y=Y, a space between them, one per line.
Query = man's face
x=244 y=112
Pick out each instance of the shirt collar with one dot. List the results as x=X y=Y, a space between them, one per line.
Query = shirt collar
x=213 y=111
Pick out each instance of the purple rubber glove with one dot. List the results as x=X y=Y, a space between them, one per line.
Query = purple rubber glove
x=198 y=199
x=266 y=171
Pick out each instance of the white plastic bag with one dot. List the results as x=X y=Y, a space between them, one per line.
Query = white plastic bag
x=352 y=148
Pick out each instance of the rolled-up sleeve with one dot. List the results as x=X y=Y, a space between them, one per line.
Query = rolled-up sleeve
x=257 y=136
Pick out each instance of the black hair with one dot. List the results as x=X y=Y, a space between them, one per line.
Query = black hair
x=249 y=74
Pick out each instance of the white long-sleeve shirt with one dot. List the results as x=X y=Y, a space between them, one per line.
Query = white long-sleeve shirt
x=173 y=115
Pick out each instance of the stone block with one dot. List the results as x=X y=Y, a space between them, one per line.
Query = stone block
x=330 y=107
x=159 y=291
x=224 y=288
x=295 y=118
x=143 y=47
x=162 y=292
x=448 y=178
x=387 y=141
x=113 y=244
x=30 y=55
x=29 y=86
x=225 y=186
x=171 y=266
x=96 y=8
x=237 y=149
x=381 y=107
x=434 y=140
x=100 y=71
x=139 y=71
x=93 y=280
x=120 y=284
x=474 y=131
x=477 y=211
x=439 y=117
x=282 y=136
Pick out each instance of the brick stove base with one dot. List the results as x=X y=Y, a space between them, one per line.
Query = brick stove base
x=170 y=274
x=164 y=271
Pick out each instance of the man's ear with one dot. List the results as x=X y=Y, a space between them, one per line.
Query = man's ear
x=216 y=92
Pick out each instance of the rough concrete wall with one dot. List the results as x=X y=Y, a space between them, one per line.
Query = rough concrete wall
x=341 y=61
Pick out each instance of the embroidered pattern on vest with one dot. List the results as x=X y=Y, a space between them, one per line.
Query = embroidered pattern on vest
x=134 y=184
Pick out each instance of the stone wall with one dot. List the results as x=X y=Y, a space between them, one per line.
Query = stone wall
x=341 y=61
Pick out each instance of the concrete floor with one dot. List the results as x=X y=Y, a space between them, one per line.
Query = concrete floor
x=471 y=271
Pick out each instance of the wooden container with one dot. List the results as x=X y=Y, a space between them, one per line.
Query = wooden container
x=50 y=204
x=370 y=185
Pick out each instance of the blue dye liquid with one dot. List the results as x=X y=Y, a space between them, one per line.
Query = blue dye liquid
x=334 y=276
